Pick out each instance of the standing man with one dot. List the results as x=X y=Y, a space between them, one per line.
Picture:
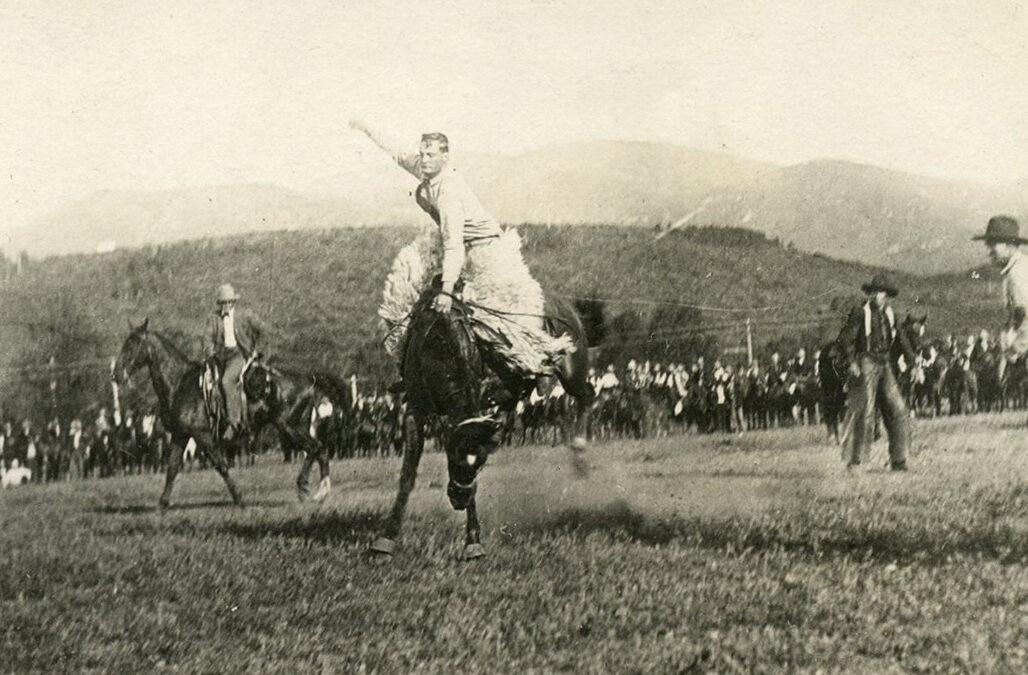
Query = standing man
x=233 y=336
x=869 y=340
x=1003 y=240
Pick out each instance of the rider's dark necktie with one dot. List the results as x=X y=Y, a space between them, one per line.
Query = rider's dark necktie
x=421 y=197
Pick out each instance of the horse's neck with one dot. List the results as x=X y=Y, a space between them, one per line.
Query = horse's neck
x=167 y=367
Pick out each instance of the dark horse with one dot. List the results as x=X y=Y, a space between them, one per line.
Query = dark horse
x=832 y=378
x=449 y=378
x=283 y=401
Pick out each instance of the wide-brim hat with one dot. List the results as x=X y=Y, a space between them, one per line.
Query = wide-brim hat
x=881 y=282
x=1003 y=229
x=227 y=294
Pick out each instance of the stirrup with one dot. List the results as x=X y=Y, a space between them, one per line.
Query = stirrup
x=397 y=387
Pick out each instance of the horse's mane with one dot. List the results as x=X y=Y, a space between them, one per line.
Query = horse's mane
x=172 y=347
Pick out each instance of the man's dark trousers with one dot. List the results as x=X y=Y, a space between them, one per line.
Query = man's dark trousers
x=877 y=388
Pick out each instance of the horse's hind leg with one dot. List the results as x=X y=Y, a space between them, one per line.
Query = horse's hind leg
x=325 y=486
x=473 y=548
x=386 y=543
x=303 y=489
x=315 y=451
x=216 y=455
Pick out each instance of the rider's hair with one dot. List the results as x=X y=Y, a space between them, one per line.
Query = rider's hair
x=441 y=139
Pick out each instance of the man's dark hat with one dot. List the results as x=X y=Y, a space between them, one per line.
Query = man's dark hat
x=881 y=282
x=1004 y=229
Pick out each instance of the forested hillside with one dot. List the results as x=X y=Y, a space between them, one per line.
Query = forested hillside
x=663 y=297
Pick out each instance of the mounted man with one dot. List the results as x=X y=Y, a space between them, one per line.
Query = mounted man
x=232 y=339
x=870 y=341
x=504 y=299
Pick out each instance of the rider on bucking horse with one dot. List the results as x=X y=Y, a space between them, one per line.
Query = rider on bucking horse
x=233 y=338
x=505 y=302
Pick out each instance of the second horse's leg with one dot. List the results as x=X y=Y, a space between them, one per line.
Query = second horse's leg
x=216 y=454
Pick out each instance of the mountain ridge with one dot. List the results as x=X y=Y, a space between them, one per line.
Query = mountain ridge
x=840 y=208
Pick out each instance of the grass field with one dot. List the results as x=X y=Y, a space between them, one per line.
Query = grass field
x=753 y=553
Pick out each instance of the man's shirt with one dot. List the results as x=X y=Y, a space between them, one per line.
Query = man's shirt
x=228 y=321
x=1015 y=295
x=448 y=199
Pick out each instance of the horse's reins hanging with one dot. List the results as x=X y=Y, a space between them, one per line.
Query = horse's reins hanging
x=502 y=314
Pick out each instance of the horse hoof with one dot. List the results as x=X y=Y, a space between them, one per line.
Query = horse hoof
x=474 y=551
x=302 y=494
x=578 y=444
x=323 y=489
x=383 y=546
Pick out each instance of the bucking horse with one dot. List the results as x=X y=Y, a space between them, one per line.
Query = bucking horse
x=287 y=401
x=449 y=379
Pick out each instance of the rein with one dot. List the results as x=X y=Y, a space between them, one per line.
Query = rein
x=505 y=314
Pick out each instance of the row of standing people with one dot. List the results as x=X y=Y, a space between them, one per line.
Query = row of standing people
x=105 y=445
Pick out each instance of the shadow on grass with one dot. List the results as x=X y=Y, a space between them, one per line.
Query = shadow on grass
x=902 y=543
x=139 y=509
x=322 y=527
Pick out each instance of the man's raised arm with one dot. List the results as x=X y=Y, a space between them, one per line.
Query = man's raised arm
x=410 y=162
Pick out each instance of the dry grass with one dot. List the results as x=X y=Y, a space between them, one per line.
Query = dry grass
x=757 y=553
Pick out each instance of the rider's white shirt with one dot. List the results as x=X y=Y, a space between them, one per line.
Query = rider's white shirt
x=229 y=321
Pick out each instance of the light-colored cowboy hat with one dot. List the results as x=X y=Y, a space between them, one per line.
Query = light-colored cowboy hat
x=227 y=294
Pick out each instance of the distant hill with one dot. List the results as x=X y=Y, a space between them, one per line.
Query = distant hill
x=130 y=219
x=318 y=291
x=845 y=210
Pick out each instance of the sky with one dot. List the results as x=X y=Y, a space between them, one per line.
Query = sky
x=157 y=95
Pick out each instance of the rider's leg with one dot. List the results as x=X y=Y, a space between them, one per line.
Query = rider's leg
x=230 y=385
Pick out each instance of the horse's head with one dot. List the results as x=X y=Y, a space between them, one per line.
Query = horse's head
x=444 y=373
x=467 y=450
x=134 y=354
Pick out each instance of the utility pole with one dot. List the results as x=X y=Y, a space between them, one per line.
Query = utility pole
x=114 y=395
x=51 y=367
x=749 y=341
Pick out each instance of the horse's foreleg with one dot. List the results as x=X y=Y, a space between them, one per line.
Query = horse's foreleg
x=473 y=548
x=386 y=543
x=175 y=454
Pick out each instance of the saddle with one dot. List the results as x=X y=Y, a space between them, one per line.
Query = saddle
x=213 y=396
x=213 y=402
